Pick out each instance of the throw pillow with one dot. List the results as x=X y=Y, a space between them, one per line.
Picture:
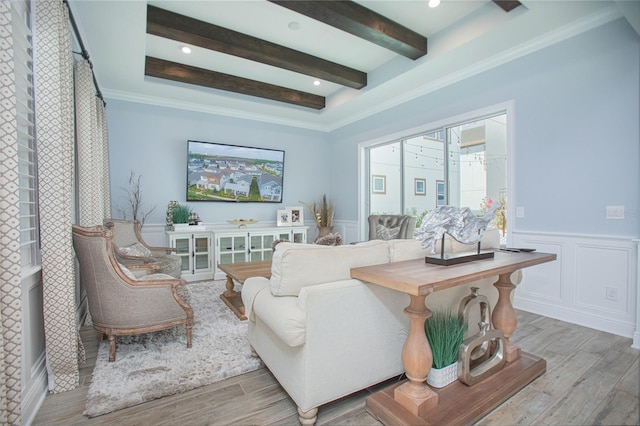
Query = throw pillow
x=136 y=249
x=127 y=271
x=384 y=233
x=330 y=240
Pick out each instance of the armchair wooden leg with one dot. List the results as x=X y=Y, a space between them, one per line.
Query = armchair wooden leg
x=189 y=335
x=308 y=418
x=112 y=347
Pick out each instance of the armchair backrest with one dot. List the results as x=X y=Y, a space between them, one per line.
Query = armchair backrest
x=99 y=272
x=390 y=227
x=125 y=232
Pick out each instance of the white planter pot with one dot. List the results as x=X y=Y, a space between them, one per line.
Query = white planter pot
x=181 y=226
x=441 y=377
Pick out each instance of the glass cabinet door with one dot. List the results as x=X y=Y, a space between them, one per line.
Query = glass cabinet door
x=232 y=249
x=260 y=248
x=182 y=249
x=200 y=253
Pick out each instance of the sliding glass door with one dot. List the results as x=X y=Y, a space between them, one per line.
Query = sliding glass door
x=462 y=164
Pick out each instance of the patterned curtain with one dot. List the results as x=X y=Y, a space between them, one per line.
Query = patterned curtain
x=55 y=130
x=92 y=148
x=10 y=290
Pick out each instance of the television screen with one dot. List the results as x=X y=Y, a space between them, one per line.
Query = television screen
x=221 y=172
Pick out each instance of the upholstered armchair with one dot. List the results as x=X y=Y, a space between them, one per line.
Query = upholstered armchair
x=119 y=303
x=131 y=249
x=391 y=227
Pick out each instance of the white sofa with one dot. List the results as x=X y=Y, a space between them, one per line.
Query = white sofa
x=324 y=335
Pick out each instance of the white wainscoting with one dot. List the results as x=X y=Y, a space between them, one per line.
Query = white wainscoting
x=575 y=287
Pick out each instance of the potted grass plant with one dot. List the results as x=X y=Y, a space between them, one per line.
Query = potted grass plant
x=445 y=332
x=180 y=216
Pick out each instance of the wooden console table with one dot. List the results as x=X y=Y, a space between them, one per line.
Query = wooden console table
x=413 y=401
x=240 y=272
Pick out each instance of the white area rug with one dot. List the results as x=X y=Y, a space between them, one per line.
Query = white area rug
x=158 y=364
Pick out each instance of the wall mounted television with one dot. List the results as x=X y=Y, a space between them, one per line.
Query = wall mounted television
x=233 y=173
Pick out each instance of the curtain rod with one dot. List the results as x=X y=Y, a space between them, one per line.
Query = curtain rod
x=84 y=52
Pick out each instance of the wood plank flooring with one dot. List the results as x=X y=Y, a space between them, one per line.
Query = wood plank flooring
x=592 y=378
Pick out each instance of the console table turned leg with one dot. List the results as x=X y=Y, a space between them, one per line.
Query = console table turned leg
x=504 y=317
x=415 y=395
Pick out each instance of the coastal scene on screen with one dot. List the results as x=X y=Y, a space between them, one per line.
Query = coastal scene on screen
x=222 y=172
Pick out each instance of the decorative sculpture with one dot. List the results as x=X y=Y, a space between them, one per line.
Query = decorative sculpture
x=458 y=222
x=462 y=225
x=482 y=354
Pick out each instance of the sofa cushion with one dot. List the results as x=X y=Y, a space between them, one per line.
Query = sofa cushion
x=295 y=266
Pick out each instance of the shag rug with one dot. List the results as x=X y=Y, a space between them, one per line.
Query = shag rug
x=158 y=364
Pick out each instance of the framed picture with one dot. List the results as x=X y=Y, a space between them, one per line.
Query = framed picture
x=420 y=186
x=440 y=193
x=283 y=218
x=297 y=215
x=378 y=184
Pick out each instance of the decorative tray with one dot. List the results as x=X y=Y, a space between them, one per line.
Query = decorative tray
x=242 y=222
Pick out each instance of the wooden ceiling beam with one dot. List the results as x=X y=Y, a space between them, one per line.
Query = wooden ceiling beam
x=362 y=22
x=184 y=29
x=507 y=5
x=168 y=70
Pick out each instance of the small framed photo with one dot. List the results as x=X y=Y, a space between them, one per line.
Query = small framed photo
x=378 y=184
x=297 y=215
x=420 y=186
x=283 y=218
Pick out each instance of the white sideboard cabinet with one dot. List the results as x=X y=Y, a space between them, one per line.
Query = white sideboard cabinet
x=196 y=251
x=251 y=244
x=204 y=249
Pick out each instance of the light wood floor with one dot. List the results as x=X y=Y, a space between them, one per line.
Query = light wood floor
x=592 y=378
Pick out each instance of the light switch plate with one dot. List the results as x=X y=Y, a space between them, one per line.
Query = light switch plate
x=615 y=212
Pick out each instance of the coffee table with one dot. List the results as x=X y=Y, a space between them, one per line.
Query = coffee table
x=239 y=272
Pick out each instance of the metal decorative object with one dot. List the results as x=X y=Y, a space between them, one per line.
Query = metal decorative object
x=462 y=225
x=482 y=354
x=459 y=222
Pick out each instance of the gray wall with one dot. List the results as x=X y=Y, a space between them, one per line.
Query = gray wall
x=577 y=135
x=152 y=141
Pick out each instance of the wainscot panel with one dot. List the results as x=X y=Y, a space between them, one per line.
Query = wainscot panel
x=593 y=283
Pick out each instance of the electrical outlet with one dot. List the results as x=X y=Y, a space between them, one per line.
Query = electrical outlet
x=612 y=294
x=519 y=211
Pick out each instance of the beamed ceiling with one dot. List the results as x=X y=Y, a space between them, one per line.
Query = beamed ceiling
x=259 y=58
x=345 y=15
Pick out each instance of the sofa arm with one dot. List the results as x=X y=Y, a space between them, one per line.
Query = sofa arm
x=250 y=290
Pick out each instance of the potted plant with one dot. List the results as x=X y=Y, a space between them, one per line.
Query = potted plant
x=180 y=216
x=445 y=332
x=322 y=213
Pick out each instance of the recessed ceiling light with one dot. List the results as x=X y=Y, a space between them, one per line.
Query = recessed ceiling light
x=186 y=49
x=316 y=82
x=294 y=26
x=434 y=3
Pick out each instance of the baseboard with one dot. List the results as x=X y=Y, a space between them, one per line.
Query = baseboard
x=563 y=313
x=33 y=396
